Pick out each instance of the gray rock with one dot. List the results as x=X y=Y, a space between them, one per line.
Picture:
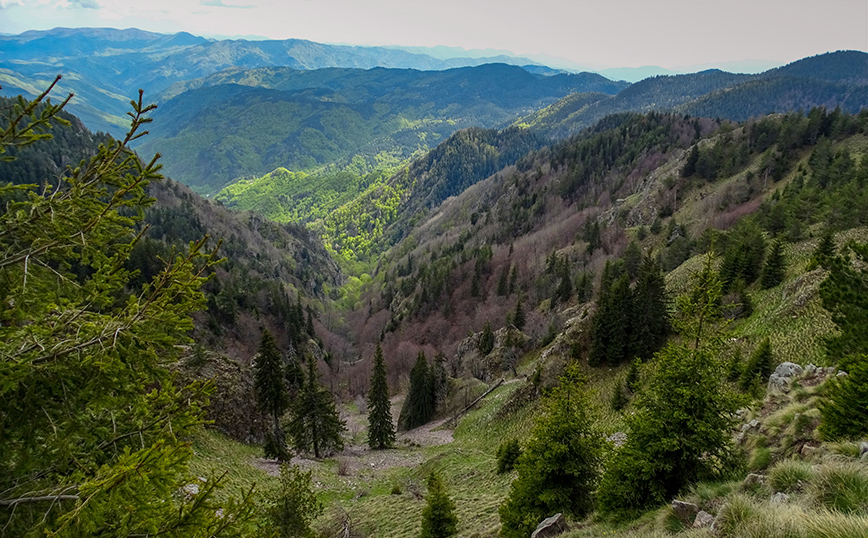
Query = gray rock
x=780 y=498
x=863 y=448
x=754 y=479
x=685 y=511
x=551 y=526
x=842 y=373
x=780 y=380
x=810 y=369
x=703 y=519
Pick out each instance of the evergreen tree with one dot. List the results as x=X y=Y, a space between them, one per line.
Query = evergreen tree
x=271 y=393
x=94 y=427
x=690 y=164
x=649 y=319
x=296 y=505
x=507 y=455
x=381 y=430
x=825 y=251
x=774 y=267
x=844 y=293
x=439 y=378
x=611 y=324
x=503 y=282
x=486 y=340
x=513 y=279
x=632 y=259
x=759 y=367
x=518 y=317
x=420 y=404
x=680 y=431
x=316 y=426
x=565 y=288
x=559 y=467
x=438 y=516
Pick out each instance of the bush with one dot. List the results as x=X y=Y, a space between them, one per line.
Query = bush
x=438 y=517
x=845 y=408
x=296 y=505
x=507 y=454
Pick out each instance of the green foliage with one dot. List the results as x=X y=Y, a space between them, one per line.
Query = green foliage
x=774 y=267
x=381 y=431
x=844 y=408
x=271 y=394
x=744 y=254
x=486 y=340
x=296 y=505
x=518 y=316
x=315 y=425
x=559 y=467
x=438 y=516
x=759 y=367
x=507 y=455
x=680 y=430
x=421 y=402
x=790 y=476
x=629 y=322
x=845 y=296
x=93 y=423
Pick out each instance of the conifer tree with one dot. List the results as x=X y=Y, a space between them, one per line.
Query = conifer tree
x=94 y=426
x=559 y=467
x=296 y=505
x=518 y=317
x=759 y=367
x=774 y=267
x=271 y=394
x=649 y=317
x=503 y=282
x=513 y=279
x=420 y=405
x=438 y=516
x=683 y=414
x=316 y=426
x=825 y=251
x=486 y=340
x=611 y=323
x=381 y=430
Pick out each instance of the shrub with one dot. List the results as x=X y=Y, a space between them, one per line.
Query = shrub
x=296 y=505
x=507 y=454
x=438 y=517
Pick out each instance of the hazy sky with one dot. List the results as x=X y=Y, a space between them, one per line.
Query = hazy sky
x=594 y=33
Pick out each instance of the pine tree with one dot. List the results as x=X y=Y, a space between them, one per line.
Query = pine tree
x=316 y=426
x=94 y=425
x=680 y=429
x=486 y=340
x=381 y=430
x=296 y=505
x=420 y=404
x=632 y=259
x=759 y=367
x=518 y=317
x=559 y=467
x=844 y=408
x=503 y=282
x=271 y=393
x=774 y=267
x=611 y=323
x=825 y=251
x=438 y=516
x=649 y=317
x=513 y=279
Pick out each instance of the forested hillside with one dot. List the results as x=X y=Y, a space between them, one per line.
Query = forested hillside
x=103 y=66
x=302 y=120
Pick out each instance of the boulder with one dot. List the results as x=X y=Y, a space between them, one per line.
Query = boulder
x=754 y=479
x=703 y=519
x=685 y=511
x=780 y=498
x=863 y=448
x=551 y=526
x=784 y=373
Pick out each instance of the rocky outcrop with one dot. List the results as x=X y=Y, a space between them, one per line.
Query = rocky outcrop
x=551 y=526
x=685 y=511
x=783 y=375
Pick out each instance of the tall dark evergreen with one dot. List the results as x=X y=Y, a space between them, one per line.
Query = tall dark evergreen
x=518 y=317
x=649 y=320
x=611 y=324
x=316 y=426
x=486 y=340
x=503 y=281
x=759 y=367
x=271 y=393
x=381 y=430
x=774 y=266
x=420 y=404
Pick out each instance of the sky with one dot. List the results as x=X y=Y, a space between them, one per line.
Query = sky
x=592 y=33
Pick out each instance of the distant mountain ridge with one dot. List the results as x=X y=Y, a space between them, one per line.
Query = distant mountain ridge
x=243 y=123
x=106 y=62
